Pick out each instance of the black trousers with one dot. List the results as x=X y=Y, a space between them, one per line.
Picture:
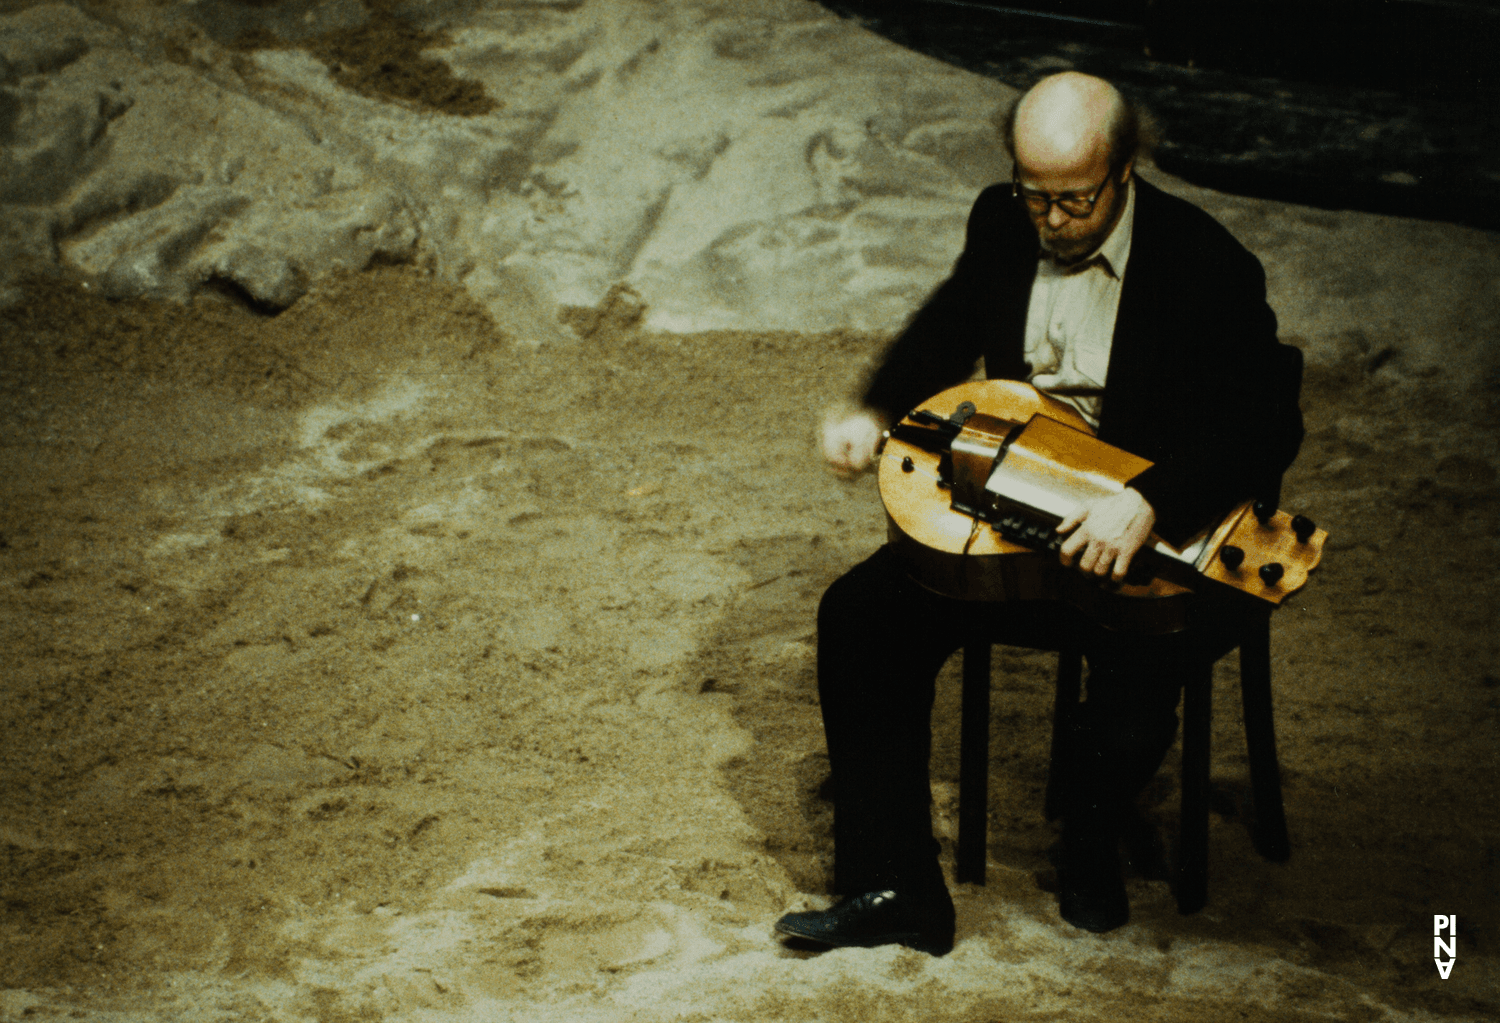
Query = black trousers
x=881 y=642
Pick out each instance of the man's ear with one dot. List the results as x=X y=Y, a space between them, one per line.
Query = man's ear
x=1125 y=170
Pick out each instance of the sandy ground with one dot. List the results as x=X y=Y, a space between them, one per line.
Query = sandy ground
x=365 y=664
x=405 y=656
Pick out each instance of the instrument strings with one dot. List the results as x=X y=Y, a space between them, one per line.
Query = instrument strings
x=963 y=563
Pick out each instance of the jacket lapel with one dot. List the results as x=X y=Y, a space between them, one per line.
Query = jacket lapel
x=1011 y=278
x=1133 y=352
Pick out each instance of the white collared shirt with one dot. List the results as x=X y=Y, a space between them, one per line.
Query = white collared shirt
x=1070 y=322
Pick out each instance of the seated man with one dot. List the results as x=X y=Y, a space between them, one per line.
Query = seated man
x=1149 y=318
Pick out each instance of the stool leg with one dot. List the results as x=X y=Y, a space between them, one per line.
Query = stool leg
x=1192 y=850
x=1064 y=706
x=974 y=765
x=1260 y=742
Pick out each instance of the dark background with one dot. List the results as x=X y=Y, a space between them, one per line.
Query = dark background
x=1388 y=106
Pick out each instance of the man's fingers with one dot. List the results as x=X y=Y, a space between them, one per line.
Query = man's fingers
x=1076 y=540
x=836 y=448
x=842 y=460
x=838 y=452
x=1071 y=547
x=1101 y=560
x=1103 y=536
x=1095 y=557
x=1089 y=562
x=849 y=442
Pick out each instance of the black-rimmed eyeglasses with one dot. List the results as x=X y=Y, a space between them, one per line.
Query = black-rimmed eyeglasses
x=1079 y=207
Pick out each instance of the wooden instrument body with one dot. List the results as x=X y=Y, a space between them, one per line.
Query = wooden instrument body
x=952 y=553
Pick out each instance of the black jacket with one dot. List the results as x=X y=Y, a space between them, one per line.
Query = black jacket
x=1197 y=381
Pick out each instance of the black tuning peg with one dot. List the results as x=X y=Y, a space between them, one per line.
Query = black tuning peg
x=1271 y=573
x=1232 y=557
x=1263 y=511
x=962 y=414
x=1304 y=527
x=907 y=465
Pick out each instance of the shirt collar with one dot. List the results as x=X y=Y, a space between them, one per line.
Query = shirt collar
x=1116 y=248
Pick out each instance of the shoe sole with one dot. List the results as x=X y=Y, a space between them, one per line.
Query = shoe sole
x=913 y=940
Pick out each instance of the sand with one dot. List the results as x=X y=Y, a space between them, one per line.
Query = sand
x=365 y=662
x=385 y=658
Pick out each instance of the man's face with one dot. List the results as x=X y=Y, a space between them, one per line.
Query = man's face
x=1068 y=239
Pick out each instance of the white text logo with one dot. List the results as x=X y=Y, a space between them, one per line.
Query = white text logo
x=1441 y=947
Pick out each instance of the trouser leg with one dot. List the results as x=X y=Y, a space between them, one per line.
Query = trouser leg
x=881 y=642
x=1129 y=718
x=1125 y=727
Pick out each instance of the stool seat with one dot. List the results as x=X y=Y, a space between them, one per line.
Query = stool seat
x=1269 y=819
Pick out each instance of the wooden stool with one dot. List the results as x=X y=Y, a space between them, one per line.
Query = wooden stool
x=1269 y=830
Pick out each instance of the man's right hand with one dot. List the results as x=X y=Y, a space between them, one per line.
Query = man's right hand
x=850 y=437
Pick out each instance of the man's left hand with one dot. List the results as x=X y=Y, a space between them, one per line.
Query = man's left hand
x=1106 y=533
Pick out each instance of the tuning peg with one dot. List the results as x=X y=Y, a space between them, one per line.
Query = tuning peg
x=1263 y=511
x=1232 y=557
x=1304 y=527
x=907 y=465
x=1271 y=573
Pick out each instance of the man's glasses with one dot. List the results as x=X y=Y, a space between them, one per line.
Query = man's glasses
x=1078 y=207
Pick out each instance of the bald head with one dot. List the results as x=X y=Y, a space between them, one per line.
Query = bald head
x=1072 y=119
x=1064 y=121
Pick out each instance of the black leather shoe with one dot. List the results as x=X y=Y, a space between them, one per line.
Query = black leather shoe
x=1090 y=890
x=878 y=918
